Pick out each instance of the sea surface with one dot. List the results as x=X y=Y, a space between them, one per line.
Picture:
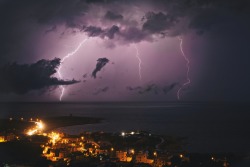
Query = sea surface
x=209 y=127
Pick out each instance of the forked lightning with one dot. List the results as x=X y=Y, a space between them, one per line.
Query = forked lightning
x=188 y=81
x=63 y=59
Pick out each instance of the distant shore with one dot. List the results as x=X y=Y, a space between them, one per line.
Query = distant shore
x=63 y=121
x=50 y=122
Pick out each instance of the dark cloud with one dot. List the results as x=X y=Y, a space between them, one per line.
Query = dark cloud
x=158 y=22
x=95 y=1
x=59 y=12
x=168 y=88
x=206 y=20
x=142 y=90
x=156 y=89
x=21 y=78
x=112 y=31
x=101 y=90
x=134 y=34
x=19 y=18
x=53 y=28
x=101 y=1
x=85 y=75
x=101 y=62
x=113 y=16
x=149 y=88
x=93 y=31
x=127 y=35
x=134 y=88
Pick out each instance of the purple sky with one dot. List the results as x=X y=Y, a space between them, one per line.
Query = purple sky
x=214 y=37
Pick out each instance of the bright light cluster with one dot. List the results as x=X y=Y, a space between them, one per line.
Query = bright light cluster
x=31 y=132
x=54 y=137
x=35 y=130
x=40 y=125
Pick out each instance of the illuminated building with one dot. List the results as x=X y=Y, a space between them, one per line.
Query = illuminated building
x=10 y=137
x=142 y=158
x=2 y=139
x=122 y=156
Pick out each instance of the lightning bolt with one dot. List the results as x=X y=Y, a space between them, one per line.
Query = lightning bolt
x=63 y=59
x=188 y=81
x=139 y=61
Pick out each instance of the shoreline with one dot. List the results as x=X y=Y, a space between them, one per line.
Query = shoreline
x=50 y=123
x=66 y=121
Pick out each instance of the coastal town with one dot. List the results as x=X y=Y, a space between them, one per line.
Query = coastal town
x=101 y=149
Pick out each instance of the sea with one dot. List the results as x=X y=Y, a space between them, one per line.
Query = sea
x=210 y=127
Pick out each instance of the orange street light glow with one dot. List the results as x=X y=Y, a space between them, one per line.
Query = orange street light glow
x=40 y=125
x=31 y=132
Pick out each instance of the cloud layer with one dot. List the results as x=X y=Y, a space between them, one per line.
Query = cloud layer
x=129 y=21
x=153 y=88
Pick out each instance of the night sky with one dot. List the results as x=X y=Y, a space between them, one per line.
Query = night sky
x=124 y=50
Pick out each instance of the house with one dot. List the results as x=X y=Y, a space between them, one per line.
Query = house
x=142 y=158
x=2 y=138
x=122 y=156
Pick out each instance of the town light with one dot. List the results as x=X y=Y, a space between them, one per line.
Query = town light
x=54 y=137
x=31 y=132
x=40 y=125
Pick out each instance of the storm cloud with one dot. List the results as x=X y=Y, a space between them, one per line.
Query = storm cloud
x=22 y=78
x=93 y=31
x=101 y=90
x=101 y=62
x=153 y=88
x=158 y=17
x=158 y=22
x=113 y=16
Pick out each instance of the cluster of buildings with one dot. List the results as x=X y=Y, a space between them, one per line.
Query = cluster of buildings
x=13 y=134
x=62 y=147
x=103 y=148
x=5 y=137
x=67 y=148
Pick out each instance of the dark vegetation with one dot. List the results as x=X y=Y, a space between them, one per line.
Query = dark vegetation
x=21 y=152
x=14 y=125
